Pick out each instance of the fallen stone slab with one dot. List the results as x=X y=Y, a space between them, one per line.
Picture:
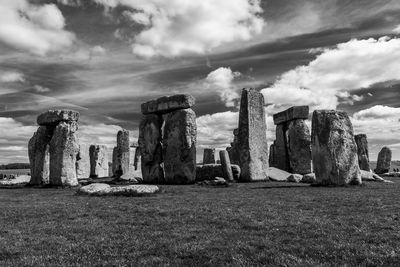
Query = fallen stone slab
x=22 y=179
x=168 y=104
x=54 y=117
x=309 y=178
x=293 y=113
x=391 y=174
x=99 y=189
x=278 y=175
x=295 y=178
x=217 y=181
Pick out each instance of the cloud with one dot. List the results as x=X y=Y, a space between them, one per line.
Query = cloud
x=337 y=71
x=221 y=81
x=180 y=27
x=37 y=29
x=378 y=112
x=397 y=29
x=11 y=77
x=41 y=89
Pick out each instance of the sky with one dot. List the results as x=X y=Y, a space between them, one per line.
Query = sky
x=104 y=58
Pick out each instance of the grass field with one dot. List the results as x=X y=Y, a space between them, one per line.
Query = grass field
x=278 y=224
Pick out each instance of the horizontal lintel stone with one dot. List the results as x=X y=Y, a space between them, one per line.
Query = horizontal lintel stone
x=293 y=113
x=168 y=104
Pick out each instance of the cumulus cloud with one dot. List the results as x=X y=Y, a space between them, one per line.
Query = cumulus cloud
x=333 y=74
x=221 y=81
x=38 y=29
x=41 y=89
x=11 y=77
x=397 y=29
x=178 y=27
x=378 y=112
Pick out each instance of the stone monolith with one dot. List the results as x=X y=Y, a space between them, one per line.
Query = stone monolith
x=334 y=150
x=226 y=165
x=362 y=151
x=252 y=140
x=209 y=156
x=179 y=147
x=384 y=161
x=150 y=144
x=299 y=146
x=83 y=162
x=121 y=154
x=98 y=161
x=64 y=147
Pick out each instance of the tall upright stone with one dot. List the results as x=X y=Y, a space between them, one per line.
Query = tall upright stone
x=64 y=147
x=272 y=155
x=281 y=149
x=209 y=156
x=98 y=161
x=121 y=156
x=362 y=151
x=150 y=147
x=384 y=161
x=83 y=162
x=299 y=146
x=252 y=139
x=38 y=150
x=179 y=147
x=226 y=165
x=334 y=150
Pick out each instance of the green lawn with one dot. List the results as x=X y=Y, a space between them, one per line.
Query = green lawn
x=245 y=224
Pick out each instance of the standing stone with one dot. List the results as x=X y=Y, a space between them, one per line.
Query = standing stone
x=362 y=151
x=281 y=149
x=334 y=150
x=64 y=147
x=226 y=165
x=114 y=160
x=299 y=147
x=137 y=164
x=55 y=117
x=83 y=162
x=384 y=161
x=150 y=147
x=38 y=150
x=272 y=155
x=167 y=104
x=179 y=147
x=209 y=156
x=121 y=154
x=98 y=161
x=252 y=139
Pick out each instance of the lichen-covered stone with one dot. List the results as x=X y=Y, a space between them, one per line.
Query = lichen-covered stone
x=64 y=147
x=293 y=113
x=179 y=147
x=362 y=151
x=98 y=161
x=209 y=156
x=38 y=151
x=384 y=161
x=99 y=189
x=168 y=104
x=83 y=162
x=334 y=150
x=299 y=147
x=54 y=117
x=210 y=171
x=252 y=140
x=150 y=138
x=278 y=175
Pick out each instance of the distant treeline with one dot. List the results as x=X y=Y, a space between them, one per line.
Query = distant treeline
x=13 y=166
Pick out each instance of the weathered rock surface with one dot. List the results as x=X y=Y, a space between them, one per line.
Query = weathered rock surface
x=226 y=165
x=137 y=164
x=209 y=156
x=217 y=181
x=64 y=147
x=210 y=171
x=362 y=152
x=295 y=178
x=121 y=155
x=18 y=180
x=293 y=113
x=272 y=155
x=299 y=147
x=252 y=140
x=334 y=150
x=98 y=161
x=168 y=104
x=384 y=161
x=309 y=178
x=179 y=147
x=83 y=162
x=281 y=149
x=278 y=175
x=150 y=143
x=54 y=117
x=39 y=158
x=129 y=190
